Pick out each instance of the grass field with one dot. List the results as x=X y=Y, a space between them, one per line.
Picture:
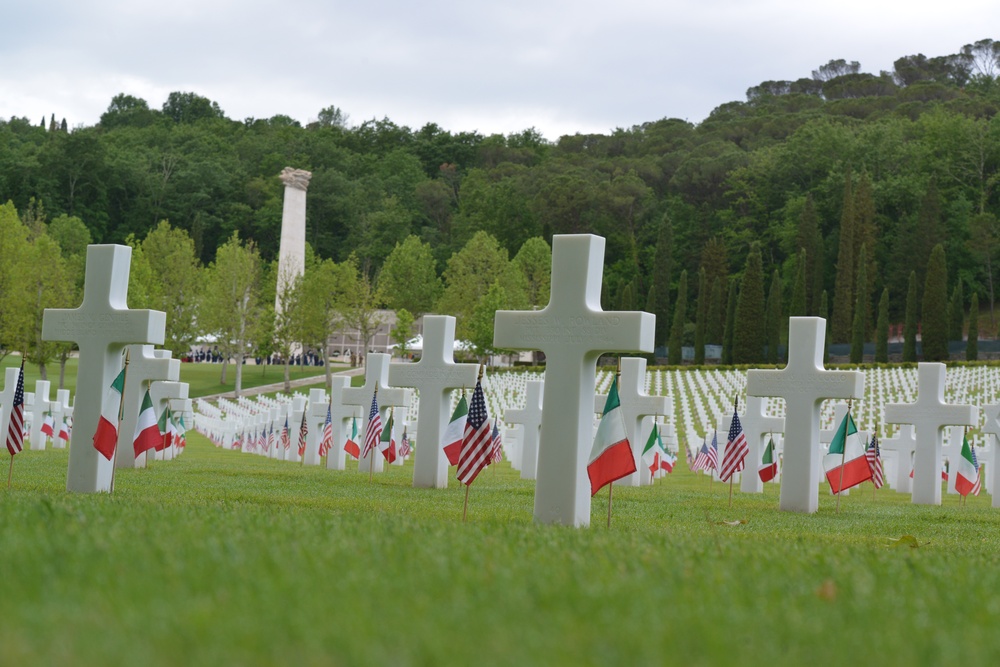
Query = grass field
x=203 y=379
x=222 y=558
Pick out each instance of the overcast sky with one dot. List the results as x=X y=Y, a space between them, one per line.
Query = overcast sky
x=561 y=66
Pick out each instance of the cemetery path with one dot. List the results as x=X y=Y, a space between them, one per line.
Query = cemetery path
x=279 y=386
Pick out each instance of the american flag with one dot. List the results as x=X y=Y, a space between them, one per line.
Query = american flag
x=975 y=464
x=701 y=460
x=374 y=429
x=261 y=440
x=404 y=444
x=327 y=441
x=286 y=437
x=712 y=458
x=303 y=432
x=874 y=457
x=736 y=449
x=496 y=455
x=270 y=440
x=15 y=432
x=477 y=440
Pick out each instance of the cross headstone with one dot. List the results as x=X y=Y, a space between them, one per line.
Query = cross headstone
x=530 y=418
x=100 y=327
x=163 y=393
x=41 y=406
x=341 y=416
x=929 y=415
x=756 y=425
x=951 y=451
x=145 y=365
x=316 y=418
x=376 y=373
x=572 y=331
x=434 y=376
x=60 y=410
x=992 y=427
x=902 y=446
x=7 y=400
x=296 y=409
x=804 y=384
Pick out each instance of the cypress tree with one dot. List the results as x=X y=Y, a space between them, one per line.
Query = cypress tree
x=860 y=311
x=627 y=299
x=956 y=311
x=661 y=279
x=680 y=318
x=882 y=329
x=798 y=307
x=700 y=315
x=843 y=289
x=727 y=334
x=934 y=308
x=910 y=324
x=972 y=345
x=819 y=273
x=865 y=230
x=651 y=299
x=824 y=310
x=605 y=296
x=806 y=239
x=716 y=322
x=774 y=319
x=750 y=336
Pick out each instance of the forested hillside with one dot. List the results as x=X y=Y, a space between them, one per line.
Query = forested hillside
x=812 y=170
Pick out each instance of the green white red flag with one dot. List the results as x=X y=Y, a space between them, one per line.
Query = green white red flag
x=967 y=470
x=651 y=453
x=147 y=431
x=106 y=437
x=454 y=433
x=845 y=463
x=351 y=446
x=611 y=456
x=386 y=443
x=768 y=467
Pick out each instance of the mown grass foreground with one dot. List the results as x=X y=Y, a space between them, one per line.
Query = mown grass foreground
x=222 y=558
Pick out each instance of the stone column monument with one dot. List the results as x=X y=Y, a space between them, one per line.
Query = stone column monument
x=292 y=250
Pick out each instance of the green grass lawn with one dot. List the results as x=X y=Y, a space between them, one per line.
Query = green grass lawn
x=202 y=378
x=222 y=558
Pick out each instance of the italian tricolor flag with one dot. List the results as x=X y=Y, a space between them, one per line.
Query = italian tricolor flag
x=351 y=446
x=164 y=428
x=768 y=467
x=845 y=462
x=106 y=437
x=147 y=431
x=968 y=471
x=611 y=457
x=454 y=434
x=667 y=460
x=386 y=444
x=651 y=452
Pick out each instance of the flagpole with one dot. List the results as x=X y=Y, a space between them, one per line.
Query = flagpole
x=736 y=406
x=843 y=456
x=121 y=409
x=10 y=470
x=371 y=454
x=465 y=507
x=618 y=373
x=877 y=462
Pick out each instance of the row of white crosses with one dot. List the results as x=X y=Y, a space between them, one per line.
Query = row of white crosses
x=36 y=403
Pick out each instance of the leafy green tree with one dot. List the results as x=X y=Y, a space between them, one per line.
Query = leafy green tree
x=409 y=277
x=701 y=314
x=843 y=292
x=956 y=313
x=774 y=318
x=403 y=331
x=861 y=308
x=361 y=307
x=910 y=323
x=729 y=332
x=972 y=344
x=481 y=323
x=534 y=260
x=662 y=266
x=286 y=332
x=934 y=308
x=680 y=319
x=326 y=288
x=882 y=329
x=230 y=305
x=52 y=287
x=171 y=257
x=750 y=335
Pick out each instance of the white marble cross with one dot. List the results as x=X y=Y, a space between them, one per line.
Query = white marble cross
x=316 y=419
x=7 y=400
x=902 y=446
x=341 y=415
x=992 y=427
x=145 y=365
x=757 y=424
x=100 y=327
x=434 y=376
x=530 y=417
x=572 y=331
x=929 y=415
x=804 y=384
x=41 y=406
x=376 y=374
x=60 y=410
x=635 y=404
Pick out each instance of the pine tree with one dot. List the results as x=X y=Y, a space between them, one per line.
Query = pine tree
x=750 y=335
x=956 y=313
x=972 y=345
x=934 y=308
x=727 y=334
x=861 y=307
x=680 y=319
x=798 y=307
x=843 y=289
x=661 y=279
x=910 y=324
x=882 y=329
x=774 y=318
x=716 y=323
x=700 y=317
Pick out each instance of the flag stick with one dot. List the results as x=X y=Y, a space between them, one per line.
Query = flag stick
x=611 y=487
x=10 y=472
x=843 y=457
x=371 y=454
x=730 y=491
x=465 y=507
x=121 y=409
